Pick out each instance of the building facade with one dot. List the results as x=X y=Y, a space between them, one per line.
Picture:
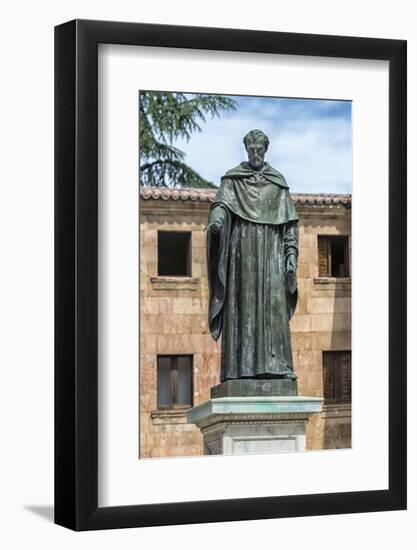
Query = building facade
x=179 y=360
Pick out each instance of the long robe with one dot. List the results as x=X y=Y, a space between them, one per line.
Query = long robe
x=250 y=300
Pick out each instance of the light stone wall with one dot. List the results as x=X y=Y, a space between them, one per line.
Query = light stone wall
x=173 y=320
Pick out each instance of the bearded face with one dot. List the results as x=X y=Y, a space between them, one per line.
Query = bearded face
x=256 y=154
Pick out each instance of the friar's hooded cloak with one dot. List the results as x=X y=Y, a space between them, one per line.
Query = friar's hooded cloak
x=247 y=271
x=257 y=196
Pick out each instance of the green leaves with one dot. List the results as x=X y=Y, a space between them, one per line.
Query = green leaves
x=165 y=117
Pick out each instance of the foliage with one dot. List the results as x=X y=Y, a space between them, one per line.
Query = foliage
x=165 y=117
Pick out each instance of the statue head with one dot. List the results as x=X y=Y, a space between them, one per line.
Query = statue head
x=256 y=144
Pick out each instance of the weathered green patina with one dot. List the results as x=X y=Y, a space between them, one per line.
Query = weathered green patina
x=254 y=387
x=252 y=250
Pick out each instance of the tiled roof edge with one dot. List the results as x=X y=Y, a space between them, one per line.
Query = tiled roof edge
x=207 y=195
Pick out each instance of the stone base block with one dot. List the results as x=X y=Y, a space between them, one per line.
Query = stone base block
x=254 y=425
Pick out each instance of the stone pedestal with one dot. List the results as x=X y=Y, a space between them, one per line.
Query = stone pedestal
x=254 y=424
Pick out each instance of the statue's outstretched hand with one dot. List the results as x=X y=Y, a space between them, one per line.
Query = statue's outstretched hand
x=215 y=228
x=291 y=277
x=291 y=281
x=216 y=220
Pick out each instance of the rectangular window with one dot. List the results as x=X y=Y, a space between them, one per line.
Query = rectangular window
x=174 y=253
x=333 y=256
x=174 y=381
x=337 y=376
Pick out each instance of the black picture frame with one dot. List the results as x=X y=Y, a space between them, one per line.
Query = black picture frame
x=76 y=272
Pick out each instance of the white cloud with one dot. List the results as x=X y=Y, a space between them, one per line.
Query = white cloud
x=309 y=146
x=315 y=157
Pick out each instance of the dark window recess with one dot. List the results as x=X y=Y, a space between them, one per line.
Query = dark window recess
x=174 y=381
x=337 y=376
x=174 y=253
x=333 y=256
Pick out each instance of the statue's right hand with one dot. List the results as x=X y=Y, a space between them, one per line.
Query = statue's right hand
x=215 y=228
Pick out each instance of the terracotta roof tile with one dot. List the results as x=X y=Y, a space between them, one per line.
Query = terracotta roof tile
x=207 y=195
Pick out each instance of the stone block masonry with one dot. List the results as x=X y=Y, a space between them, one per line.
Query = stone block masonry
x=173 y=318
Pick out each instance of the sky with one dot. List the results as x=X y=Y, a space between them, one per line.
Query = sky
x=309 y=141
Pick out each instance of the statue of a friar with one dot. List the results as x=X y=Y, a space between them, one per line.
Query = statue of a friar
x=252 y=250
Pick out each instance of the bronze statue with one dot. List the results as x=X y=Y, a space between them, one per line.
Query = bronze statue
x=252 y=250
